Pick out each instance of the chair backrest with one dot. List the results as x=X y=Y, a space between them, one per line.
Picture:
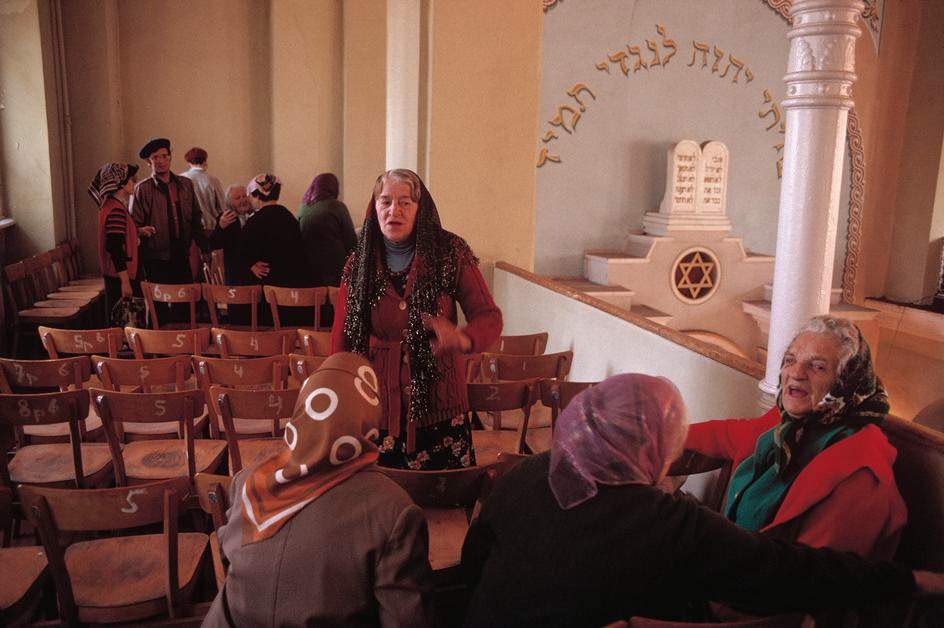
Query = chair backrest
x=528 y=344
x=304 y=365
x=295 y=297
x=53 y=511
x=502 y=396
x=212 y=491
x=106 y=341
x=39 y=271
x=76 y=255
x=932 y=415
x=693 y=463
x=497 y=367
x=315 y=343
x=449 y=488
x=270 y=405
x=234 y=343
x=217 y=268
x=24 y=375
x=795 y=620
x=269 y=371
x=167 y=341
x=117 y=407
x=919 y=473
x=142 y=374
x=171 y=293
x=233 y=295
x=20 y=290
x=557 y=394
x=60 y=261
x=70 y=406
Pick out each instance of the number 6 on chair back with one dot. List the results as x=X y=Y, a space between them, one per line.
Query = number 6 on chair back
x=171 y=293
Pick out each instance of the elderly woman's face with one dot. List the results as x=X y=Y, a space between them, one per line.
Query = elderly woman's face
x=239 y=200
x=396 y=210
x=809 y=371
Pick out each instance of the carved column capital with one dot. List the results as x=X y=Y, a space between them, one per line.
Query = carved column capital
x=820 y=70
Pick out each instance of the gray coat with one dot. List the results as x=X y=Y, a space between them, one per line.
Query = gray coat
x=356 y=556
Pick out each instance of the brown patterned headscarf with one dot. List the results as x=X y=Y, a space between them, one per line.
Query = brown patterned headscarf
x=440 y=256
x=329 y=439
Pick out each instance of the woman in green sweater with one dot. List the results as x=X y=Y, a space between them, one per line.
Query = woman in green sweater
x=327 y=230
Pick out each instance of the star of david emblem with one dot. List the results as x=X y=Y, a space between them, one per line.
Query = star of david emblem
x=695 y=275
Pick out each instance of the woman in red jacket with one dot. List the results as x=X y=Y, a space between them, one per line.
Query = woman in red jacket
x=816 y=469
x=397 y=306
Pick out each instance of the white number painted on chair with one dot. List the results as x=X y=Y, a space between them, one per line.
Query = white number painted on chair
x=179 y=342
x=182 y=293
x=64 y=369
x=25 y=378
x=232 y=293
x=238 y=369
x=275 y=402
x=157 y=292
x=492 y=393
x=81 y=344
x=294 y=294
x=99 y=337
x=132 y=507
x=159 y=407
x=254 y=343
x=25 y=411
x=144 y=372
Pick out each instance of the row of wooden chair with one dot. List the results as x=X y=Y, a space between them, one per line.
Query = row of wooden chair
x=49 y=289
x=220 y=298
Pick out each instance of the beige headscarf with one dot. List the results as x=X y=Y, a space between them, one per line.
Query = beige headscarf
x=328 y=440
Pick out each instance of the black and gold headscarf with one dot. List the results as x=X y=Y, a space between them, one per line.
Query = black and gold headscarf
x=440 y=256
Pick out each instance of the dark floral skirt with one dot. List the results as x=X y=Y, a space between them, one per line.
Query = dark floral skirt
x=446 y=445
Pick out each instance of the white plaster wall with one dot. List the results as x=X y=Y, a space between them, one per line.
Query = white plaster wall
x=612 y=167
x=604 y=345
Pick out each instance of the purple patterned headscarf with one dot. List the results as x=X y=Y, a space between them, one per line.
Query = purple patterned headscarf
x=323 y=187
x=622 y=431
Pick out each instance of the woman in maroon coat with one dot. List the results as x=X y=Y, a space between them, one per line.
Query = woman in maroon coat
x=397 y=306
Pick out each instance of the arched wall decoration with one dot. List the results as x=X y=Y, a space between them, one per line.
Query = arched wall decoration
x=856 y=147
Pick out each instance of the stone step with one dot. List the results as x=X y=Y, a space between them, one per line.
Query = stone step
x=597 y=263
x=619 y=296
x=835 y=295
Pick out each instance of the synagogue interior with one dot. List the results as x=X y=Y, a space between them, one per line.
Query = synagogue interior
x=482 y=313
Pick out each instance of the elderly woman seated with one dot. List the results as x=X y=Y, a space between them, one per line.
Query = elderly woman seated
x=817 y=460
x=583 y=536
x=316 y=536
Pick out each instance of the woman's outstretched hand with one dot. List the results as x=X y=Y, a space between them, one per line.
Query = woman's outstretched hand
x=449 y=338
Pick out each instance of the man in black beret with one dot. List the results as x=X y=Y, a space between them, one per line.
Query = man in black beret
x=167 y=214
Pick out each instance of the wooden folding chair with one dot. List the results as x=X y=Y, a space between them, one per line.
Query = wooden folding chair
x=47 y=284
x=557 y=394
x=212 y=493
x=64 y=266
x=37 y=376
x=329 y=308
x=170 y=293
x=74 y=255
x=59 y=342
x=23 y=575
x=302 y=366
x=497 y=367
x=172 y=373
x=73 y=464
x=232 y=343
x=273 y=406
x=268 y=373
x=217 y=295
x=315 y=343
x=694 y=463
x=449 y=499
x=528 y=344
x=314 y=298
x=26 y=315
x=149 y=460
x=498 y=397
x=152 y=342
x=121 y=578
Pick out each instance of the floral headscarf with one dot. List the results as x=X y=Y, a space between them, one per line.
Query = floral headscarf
x=440 y=256
x=263 y=185
x=329 y=439
x=622 y=431
x=109 y=179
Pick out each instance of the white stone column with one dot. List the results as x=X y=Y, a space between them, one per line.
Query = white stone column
x=820 y=74
x=403 y=83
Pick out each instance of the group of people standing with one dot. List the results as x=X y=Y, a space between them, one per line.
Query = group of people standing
x=156 y=229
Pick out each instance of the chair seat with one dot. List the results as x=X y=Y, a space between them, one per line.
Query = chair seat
x=128 y=571
x=489 y=443
x=539 y=439
x=447 y=530
x=60 y=303
x=52 y=463
x=92 y=283
x=162 y=459
x=48 y=315
x=93 y=429
x=81 y=297
x=168 y=429
x=253 y=450
x=23 y=568
x=91 y=291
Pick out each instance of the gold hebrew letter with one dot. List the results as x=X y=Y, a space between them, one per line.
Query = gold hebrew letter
x=719 y=55
x=651 y=45
x=748 y=75
x=545 y=157
x=574 y=92
x=558 y=120
x=550 y=135
x=774 y=109
x=666 y=43
x=732 y=60
x=779 y=149
x=699 y=46
x=603 y=66
x=634 y=51
x=620 y=57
